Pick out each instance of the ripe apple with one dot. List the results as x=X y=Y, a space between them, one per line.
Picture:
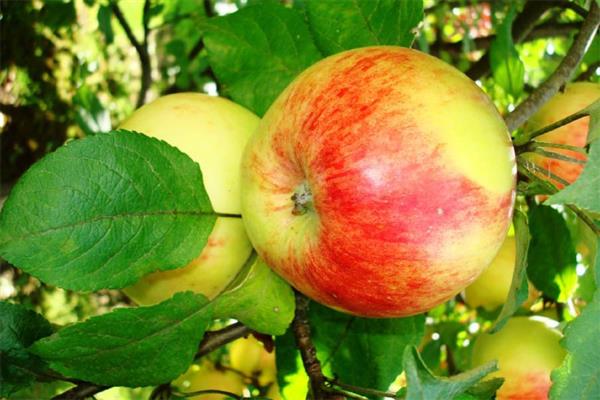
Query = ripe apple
x=380 y=182
x=491 y=288
x=576 y=97
x=527 y=350
x=213 y=132
x=206 y=376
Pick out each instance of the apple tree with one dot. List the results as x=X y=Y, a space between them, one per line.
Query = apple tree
x=130 y=268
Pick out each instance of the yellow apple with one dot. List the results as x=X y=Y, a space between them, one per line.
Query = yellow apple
x=527 y=350
x=206 y=376
x=491 y=288
x=213 y=131
x=248 y=355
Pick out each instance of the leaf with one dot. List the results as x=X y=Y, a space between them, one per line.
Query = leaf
x=260 y=299
x=19 y=328
x=363 y=352
x=102 y=211
x=518 y=291
x=132 y=347
x=58 y=14
x=584 y=191
x=552 y=257
x=507 y=68
x=104 y=17
x=594 y=125
x=256 y=52
x=91 y=115
x=578 y=377
x=422 y=384
x=360 y=23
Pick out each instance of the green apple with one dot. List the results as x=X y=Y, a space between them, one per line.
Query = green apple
x=206 y=376
x=213 y=132
x=576 y=97
x=381 y=182
x=527 y=350
x=490 y=289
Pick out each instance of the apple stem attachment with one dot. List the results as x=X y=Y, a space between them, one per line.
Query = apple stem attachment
x=302 y=199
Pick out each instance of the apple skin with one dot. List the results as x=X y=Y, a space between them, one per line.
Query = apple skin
x=527 y=350
x=206 y=376
x=213 y=131
x=408 y=173
x=576 y=97
x=490 y=289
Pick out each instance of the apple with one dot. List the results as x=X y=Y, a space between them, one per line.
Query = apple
x=206 y=376
x=249 y=356
x=381 y=182
x=490 y=289
x=527 y=350
x=213 y=131
x=576 y=97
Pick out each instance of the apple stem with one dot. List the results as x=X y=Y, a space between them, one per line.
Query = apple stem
x=302 y=199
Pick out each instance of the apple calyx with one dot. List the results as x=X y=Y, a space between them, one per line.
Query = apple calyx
x=302 y=199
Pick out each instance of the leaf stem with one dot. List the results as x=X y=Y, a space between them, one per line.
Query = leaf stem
x=573 y=117
x=360 y=390
x=577 y=149
x=558 y=156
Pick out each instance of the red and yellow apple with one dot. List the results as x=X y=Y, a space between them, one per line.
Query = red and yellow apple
x=527 y=350
x=380 y=183
x=205 y=376
x=490 y=289
x=576 y=97
x=213 y=131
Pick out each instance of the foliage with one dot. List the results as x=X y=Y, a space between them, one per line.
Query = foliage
x=109 y=207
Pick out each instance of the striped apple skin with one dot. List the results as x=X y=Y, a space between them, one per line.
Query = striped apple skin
x=412 y=176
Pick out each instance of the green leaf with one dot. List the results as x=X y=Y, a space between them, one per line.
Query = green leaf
x=552 y=257
x=19 y=328
x=347 y=24
x=259 y=298
x=103 y=211
x=422 y=384
x=91 y=115
x=594 y=125
x=58 y=14
x=256 y=52
x=132 y=347
x=363 y=352
x=105 y=23
x=507 y=68
x=578 y=375
x=583 y=193
x=518 y=291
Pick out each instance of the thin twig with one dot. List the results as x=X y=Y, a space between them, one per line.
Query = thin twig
x=214 y=339
x=562 y=74
x=81 y=391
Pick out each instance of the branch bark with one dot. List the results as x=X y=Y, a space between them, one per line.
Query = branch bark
x=588 y=73
x=562 y=74
x=307 y=349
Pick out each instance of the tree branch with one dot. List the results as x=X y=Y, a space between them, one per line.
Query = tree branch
x=307 y=349
x=140 y=47
x=562 y=74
